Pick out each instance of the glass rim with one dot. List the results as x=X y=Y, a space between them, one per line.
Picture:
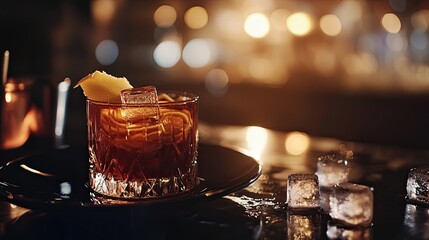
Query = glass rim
x=191 y=98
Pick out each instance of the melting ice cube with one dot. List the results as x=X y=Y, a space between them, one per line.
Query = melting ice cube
x=140 y=102
x=418 y=185
x=332 y=169
x=351 y=204
x=303 y=191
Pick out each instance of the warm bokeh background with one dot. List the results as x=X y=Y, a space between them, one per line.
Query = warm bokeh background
x=353 y=70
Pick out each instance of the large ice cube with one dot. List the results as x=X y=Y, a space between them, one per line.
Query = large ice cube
x=332 y=169
x=303 y=191
x=418 y=185
x=140 y=102
x=352 y=204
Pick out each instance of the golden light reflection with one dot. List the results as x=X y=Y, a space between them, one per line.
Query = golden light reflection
x=330 y=25
x=16 y=211
x=165 y=16
x=8 y=97
x=391 y=23
x=35 y=171
x=256 y=140
x=299 y=24
x=257 y=25
x=297 y=143
x=196 y=17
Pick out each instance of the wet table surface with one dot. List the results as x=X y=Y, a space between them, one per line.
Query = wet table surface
x=255 y=212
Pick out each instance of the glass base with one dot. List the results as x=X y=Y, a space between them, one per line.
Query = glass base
x=148 y=188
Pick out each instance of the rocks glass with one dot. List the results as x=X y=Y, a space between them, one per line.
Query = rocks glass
x=143 y=150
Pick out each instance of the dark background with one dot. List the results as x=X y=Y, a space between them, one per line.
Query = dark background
x=58 y=39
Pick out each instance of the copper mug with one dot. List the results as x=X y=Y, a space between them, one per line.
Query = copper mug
x=28 y=109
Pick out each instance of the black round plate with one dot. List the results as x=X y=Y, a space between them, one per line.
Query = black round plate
x=57 y=179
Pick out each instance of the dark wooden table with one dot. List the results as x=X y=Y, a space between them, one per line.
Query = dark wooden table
x=255 y=212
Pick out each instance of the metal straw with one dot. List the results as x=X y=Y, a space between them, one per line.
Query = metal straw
x=62 y=91
x=2 y=91
x=5 y=67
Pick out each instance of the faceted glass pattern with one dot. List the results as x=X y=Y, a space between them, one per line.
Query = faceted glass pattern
x=143 y=155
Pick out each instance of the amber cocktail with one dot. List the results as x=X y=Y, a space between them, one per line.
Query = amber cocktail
x=143 y=150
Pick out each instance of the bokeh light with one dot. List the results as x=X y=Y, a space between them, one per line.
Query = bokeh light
x=103 y=10
x=419 y=40
x=165 y=16
x=257 y=25
x=391 y=23
x=350 y=13
x=65 y=188
x=217 y=82
x=420 y=20
x=199 y=53
x=167 y=54
x=107 y=52
x=297 y=143
x=8 y=97
x=196 y=17
x=395 y=42
x=299 y=24
x=330 y=25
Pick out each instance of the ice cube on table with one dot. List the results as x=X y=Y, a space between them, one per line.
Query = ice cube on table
x=140 y=102
x=303 y=191
x=351 y=204
x=418 y=185
x=332 y=169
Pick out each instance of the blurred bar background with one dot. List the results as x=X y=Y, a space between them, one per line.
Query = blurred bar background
x=348 y=69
